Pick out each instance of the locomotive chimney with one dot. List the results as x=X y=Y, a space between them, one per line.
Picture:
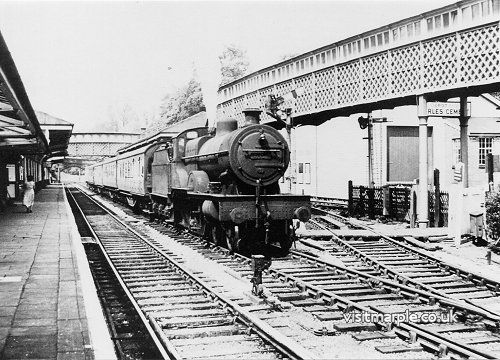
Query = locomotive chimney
x=252 y=116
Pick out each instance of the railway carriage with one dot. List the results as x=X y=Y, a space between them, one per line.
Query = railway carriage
x=125 y=177
x=221 y=185
x=98 y=175
x=109 y=174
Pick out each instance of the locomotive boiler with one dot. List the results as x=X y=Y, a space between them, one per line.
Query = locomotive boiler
x=226 y=186
x=222 y=185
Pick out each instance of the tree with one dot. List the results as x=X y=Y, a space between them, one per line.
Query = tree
x=182 y=104
x=234 y=64
x=493 y=215
x=188 y=100
x=122 y=119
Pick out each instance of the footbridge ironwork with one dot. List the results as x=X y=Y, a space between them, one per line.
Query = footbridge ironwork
x=442 y=53
x=88 y=148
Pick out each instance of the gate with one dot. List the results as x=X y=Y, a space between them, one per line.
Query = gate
x=365 y=201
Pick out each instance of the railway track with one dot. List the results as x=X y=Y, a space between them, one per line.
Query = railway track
x=329 y=202
x=382 y=255
x=131 y=340
x=186 y=316
x=333 y=292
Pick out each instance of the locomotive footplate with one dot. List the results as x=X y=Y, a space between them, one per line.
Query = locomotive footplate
x=279 y=207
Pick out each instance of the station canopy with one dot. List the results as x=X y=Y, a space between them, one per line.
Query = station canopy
x=20 y=131
x=58 y=132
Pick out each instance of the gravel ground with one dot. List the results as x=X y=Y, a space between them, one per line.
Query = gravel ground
x=293 y=321
x=466 y=256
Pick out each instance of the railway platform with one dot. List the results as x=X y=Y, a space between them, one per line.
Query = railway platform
x=48 y=303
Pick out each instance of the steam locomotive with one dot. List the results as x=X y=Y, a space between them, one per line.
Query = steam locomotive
x=223 y=186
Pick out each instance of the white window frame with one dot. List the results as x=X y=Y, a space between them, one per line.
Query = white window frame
x=300 y=173
x=485 y=144
x=307 y=173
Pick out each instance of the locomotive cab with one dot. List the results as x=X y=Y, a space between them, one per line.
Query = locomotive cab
x=225 y=186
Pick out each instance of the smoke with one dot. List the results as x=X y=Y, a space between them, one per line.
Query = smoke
x=208 y=69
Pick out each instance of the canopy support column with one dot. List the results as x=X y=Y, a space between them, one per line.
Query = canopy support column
x=423 y=182
x=464 y=140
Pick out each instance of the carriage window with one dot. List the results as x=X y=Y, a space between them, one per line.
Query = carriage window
x=180 y=146
x=150 y=165
x=367 y=43
x=191 y=135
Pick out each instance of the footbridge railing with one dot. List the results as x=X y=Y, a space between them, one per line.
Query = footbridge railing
x=449 y=49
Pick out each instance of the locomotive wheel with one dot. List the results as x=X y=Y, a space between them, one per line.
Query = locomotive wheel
x=231 y=240
x=215 y=235
x=285 y=244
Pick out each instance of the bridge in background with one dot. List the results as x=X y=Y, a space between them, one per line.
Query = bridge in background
x=87 y=148
x=453 y=51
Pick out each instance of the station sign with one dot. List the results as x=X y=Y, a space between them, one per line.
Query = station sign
x=446 y=109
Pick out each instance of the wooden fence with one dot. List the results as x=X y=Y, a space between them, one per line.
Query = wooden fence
x=365 y=201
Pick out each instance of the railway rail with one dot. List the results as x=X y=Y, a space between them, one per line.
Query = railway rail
x=384 y=255
x=185 y=315
x=130 y=338
x=330 y=291
x=330 y=202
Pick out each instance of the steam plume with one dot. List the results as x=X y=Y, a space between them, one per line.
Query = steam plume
x=208 y=68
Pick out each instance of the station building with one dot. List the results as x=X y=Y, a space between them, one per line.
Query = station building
x=26 y=143
x=329 y=155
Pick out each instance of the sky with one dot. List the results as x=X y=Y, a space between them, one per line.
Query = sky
x=83 y=61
